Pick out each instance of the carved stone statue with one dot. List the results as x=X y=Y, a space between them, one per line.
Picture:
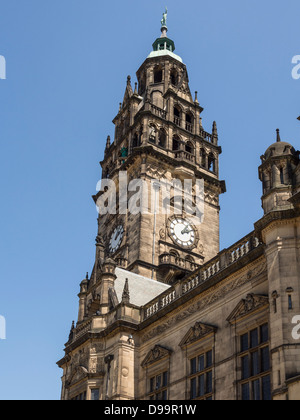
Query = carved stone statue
x=164 y=19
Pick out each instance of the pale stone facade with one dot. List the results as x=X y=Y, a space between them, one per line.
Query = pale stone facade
x=161 y=318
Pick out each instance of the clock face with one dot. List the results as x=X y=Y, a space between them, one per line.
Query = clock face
x=116 y=239
x=182 y=232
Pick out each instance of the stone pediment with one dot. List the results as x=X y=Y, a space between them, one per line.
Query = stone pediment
x=77 y=374
x=247 y=306
x=196 y=333
x=155 y=355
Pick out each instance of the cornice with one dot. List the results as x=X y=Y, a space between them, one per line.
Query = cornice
x=281 y=217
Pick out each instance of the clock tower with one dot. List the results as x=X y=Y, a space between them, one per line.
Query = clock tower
x=159 y=141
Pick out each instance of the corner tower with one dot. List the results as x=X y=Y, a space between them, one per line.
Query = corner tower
x=159 y=136
x=279 y=230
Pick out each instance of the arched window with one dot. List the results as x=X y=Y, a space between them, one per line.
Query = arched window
x=177 y=114
x=203 y=158
x=176 y=143
x=189 y=147
x=142 y=85
x=158 y=75
x=281 y=176
x=211 y=163
x=152 y=133
x=174 y=77
x=189 y=121
x=162 y=138
x=174 y=253
x=135 y=142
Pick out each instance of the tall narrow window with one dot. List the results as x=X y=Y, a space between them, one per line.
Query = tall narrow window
x=142 y=85
x=95 y=394
x=201 y=376
x=159 y=387
x=189 y=122
x=290 y=300
x=189 y=148
x=135 y=142
x=174 y=77
x=162 y=138
x=176 y=143
x=211 y=163
x=281 y=176
x=203 y=158
x=255 y=364
x=177 y=115
x=158 y=75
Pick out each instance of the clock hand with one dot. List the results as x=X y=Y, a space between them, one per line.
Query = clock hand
x=118 y=234
x=186 y=230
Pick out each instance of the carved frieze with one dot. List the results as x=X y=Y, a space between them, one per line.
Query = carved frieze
x=217 y=292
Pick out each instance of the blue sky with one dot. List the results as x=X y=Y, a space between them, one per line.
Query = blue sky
x=67 y=65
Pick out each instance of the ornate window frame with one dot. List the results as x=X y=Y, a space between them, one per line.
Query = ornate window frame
x=157 y=364
x=249 y=315
x=197 y=343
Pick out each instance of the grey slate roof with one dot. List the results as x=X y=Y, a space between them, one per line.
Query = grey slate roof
x=141 y=289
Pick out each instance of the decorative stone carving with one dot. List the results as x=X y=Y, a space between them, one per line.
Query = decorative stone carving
x=196 y=333
x=247 y=306
x=96 y=348
x=156 y=354
x=162 y=234
x=217 y=292
x=93 y=365
x=154 y=171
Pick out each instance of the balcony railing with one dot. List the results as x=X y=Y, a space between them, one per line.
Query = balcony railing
x=189 y=127
x=199 y=276
x=177 y=121
x=206 y=136
x=169 y=259
x=159 y=112
x=183 y=155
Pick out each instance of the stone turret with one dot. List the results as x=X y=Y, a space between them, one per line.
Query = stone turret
x=279 y=229
x=277 y=173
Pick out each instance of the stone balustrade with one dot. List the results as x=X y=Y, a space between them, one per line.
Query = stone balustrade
x=222 y=261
